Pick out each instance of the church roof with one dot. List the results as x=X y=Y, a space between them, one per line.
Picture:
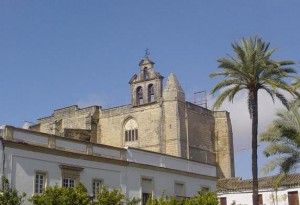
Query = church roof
x=237 y=184
x=146 y=61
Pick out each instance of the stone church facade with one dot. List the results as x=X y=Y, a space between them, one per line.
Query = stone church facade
x=158 y=119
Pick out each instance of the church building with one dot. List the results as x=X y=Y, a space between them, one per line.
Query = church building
x=159 y=119
x=159 y=143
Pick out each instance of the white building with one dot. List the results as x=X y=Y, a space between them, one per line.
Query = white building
x=33 y=160
x=272 y=190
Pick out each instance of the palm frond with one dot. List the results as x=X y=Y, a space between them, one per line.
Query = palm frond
x=271 y=165
x=225 y=83
x=225 y=94
x=283 y=136
x=270 y=92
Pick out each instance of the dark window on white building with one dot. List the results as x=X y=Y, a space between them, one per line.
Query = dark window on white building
x=223 y=201
x=70 y=175
x=39 y=182
x=179 y=190
x=293 y=198
x=68 y=182
x=97 y=185
x=147 y=189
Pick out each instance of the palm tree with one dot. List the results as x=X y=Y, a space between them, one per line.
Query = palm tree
x=284 y=138
x=252 y=69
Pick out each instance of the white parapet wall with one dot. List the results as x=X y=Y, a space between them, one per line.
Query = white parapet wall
x=59 y=143
x=170 y=162
x=27 y=153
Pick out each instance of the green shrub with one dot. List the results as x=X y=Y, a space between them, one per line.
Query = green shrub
x=62 y=196
x=9 y=196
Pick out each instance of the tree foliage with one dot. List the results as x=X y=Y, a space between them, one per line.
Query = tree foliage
x=252 y=69
x=114 y=197
x=203 y=198
x=79 y=196
x=283 y=136
x=9 y=196
x=62 y=196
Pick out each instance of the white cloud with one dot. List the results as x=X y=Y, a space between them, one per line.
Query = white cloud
x=241 y=126
x=240 y=118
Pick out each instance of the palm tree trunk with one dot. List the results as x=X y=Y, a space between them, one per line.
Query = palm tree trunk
x=254 y=105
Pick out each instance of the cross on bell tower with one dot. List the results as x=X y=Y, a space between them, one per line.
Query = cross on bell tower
x=147 y=53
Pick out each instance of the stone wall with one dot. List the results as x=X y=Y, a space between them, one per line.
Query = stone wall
x=148 y=118
x=224 y=144
x=201 y=133
x=70 y=117
x=173 y=127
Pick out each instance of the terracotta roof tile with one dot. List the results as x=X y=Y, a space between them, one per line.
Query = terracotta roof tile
x=237 y=184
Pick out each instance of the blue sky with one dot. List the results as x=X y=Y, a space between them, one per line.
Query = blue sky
x=59 y=53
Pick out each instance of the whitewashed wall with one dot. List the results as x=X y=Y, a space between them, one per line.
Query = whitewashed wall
x=269 y=197
x=167 y=161
x=21 y=165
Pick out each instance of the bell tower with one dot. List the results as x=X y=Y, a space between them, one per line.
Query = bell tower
x=146 y=86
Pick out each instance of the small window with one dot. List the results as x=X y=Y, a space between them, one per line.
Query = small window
x=145 y=197
x=205 y=189
x=97 y=185
x=68 y=182
x=260 y=199
x=39 y=183
x=147 y=189
x=223 y=201
x=179 y=190
x=151 y=95
x=70 y=175
x=293 y=198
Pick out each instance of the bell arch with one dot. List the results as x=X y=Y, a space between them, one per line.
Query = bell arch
x=139 y=96
x=151 y=95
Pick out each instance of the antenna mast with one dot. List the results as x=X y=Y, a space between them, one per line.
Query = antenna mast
x=200 y=98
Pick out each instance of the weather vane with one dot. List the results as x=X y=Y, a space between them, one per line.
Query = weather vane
x=147 y=53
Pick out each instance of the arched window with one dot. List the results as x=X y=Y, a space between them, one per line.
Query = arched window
x=151 y=93
x=139 y=95
x=131 y=131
